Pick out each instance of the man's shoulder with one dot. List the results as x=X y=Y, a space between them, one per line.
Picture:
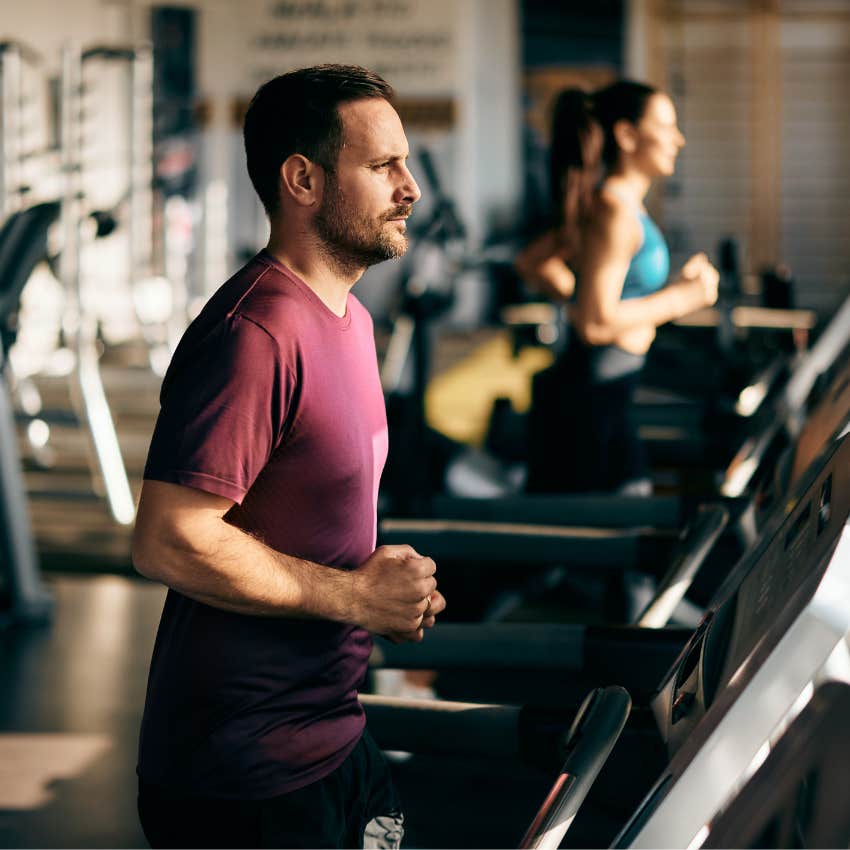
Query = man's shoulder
x=265 y=295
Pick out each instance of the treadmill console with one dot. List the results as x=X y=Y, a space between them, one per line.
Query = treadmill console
x=775 y=581
x=800 y=793
x=831 y=414
x=764 y=643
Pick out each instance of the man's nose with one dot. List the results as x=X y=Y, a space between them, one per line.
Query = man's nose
x=408 y=190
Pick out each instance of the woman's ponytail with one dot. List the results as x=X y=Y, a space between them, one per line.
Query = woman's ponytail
x=583 y=142
x=575 y=159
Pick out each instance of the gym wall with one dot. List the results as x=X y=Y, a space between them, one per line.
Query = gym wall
x=761 y=90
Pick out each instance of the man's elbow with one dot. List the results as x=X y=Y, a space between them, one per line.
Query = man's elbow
x=154 y=553
x=147 y=560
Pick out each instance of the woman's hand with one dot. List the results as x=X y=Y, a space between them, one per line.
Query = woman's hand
x=693 y=266
x=696 y=286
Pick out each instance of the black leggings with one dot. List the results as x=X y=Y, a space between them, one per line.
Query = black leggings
x=582 y=432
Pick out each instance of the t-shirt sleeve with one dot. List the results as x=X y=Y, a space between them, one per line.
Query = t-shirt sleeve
x=224 y=410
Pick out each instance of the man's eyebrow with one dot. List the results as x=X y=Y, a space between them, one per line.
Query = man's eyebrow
x=390 y=157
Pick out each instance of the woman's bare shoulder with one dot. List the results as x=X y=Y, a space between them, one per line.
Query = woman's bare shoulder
x=610 y=216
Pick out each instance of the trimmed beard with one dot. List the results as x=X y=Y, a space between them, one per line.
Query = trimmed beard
x=351 y=241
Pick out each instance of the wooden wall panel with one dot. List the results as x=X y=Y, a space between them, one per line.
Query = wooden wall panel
x=762 y=90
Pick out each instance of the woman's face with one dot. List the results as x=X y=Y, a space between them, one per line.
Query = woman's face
x=658 y=139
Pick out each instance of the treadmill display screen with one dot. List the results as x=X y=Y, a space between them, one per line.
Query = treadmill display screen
x=797 y=553
x=829 y=416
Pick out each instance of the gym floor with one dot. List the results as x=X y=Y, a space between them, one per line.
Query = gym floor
x=69 y=719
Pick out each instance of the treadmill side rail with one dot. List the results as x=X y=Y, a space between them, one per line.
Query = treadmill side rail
x=438 y=727
x=597 y=728
x=701 y=537
x=725 y=699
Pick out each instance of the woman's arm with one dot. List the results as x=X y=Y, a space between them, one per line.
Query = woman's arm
x=600 y=315
x=542 y=265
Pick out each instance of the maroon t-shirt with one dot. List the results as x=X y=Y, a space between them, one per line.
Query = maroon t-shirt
x=275 y=402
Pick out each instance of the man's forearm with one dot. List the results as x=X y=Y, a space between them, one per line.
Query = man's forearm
x=183 y=540
x=236 y=572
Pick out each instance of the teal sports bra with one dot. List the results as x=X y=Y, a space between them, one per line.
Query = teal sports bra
x=647 y=273
x=650 y=266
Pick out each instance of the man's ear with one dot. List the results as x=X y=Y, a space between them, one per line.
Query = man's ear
x=626 y=135
x=301 y=180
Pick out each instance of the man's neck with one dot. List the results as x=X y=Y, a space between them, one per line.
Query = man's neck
x=306 y=257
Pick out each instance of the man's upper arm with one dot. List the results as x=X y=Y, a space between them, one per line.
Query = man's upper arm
x=171 y=518
x=223 y=412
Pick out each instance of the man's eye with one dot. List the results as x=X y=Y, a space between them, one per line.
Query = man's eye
x=380 y=165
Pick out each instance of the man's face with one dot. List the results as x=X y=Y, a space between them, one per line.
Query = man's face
x=366 y=201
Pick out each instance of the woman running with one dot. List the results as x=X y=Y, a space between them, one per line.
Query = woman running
x=610 y=260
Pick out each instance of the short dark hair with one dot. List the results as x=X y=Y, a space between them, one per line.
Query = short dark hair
x=298 y=113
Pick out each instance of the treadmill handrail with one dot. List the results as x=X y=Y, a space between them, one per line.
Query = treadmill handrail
x=822 y=354
x=506 y=529
x=553 y=647
x=790 y=405
x=460 y=728
x=442 y=727
x=487 y=544
x=699 y=541
x=597 y=728
x=488 y=646
x=585 y=510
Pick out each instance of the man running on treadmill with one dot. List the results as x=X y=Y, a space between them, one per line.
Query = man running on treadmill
x=258 y=509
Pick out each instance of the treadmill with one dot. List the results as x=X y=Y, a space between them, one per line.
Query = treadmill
x=489 y=569
x=752 y=463
x=23 y=597
x=524 y=559
x=800 y=796
x=777 y=628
